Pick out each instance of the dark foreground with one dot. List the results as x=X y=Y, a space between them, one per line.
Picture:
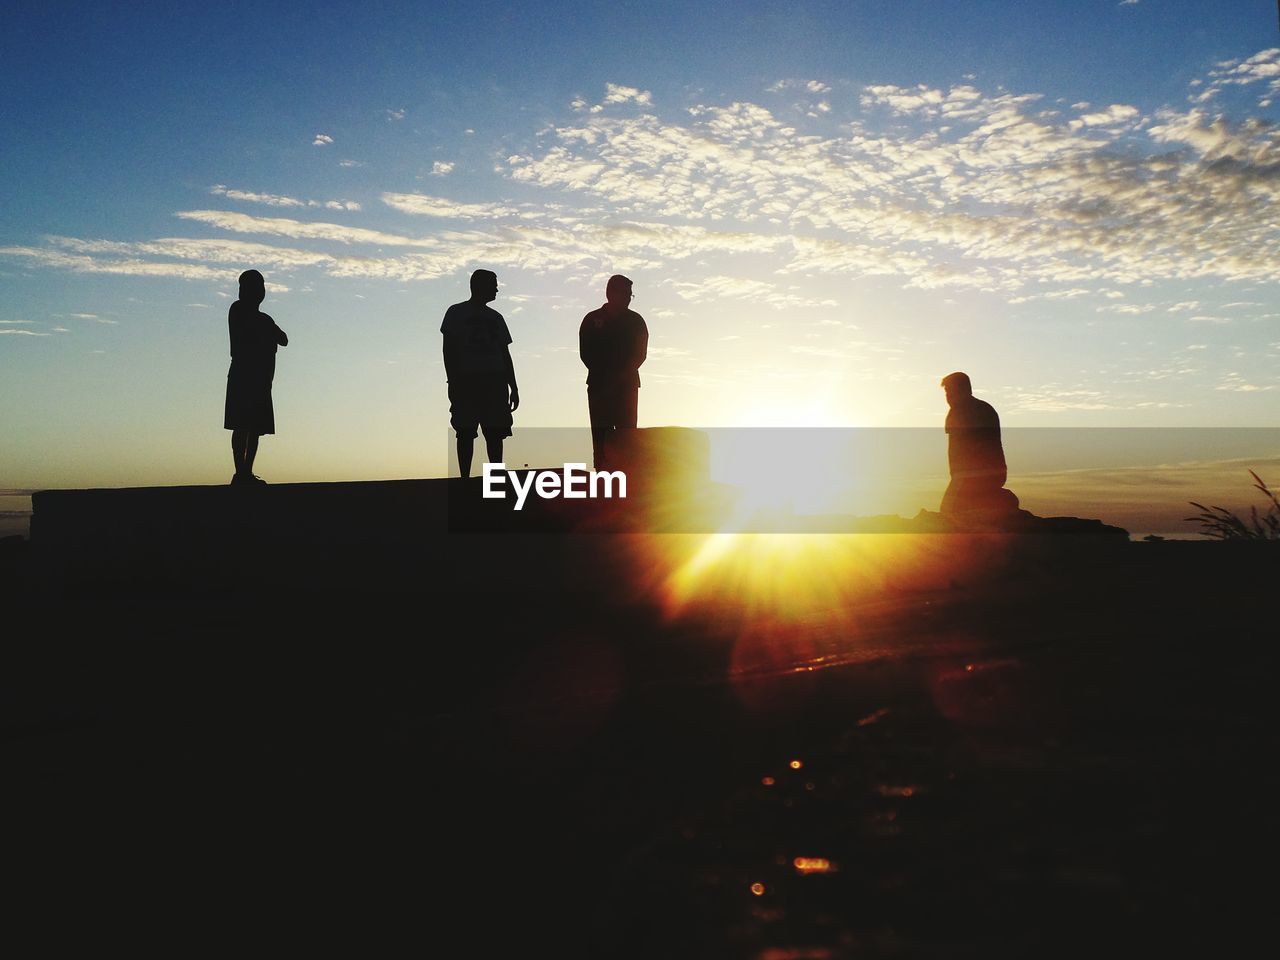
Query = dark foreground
x=1040 y=751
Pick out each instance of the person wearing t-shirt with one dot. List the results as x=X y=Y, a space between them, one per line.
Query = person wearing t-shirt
x=477 y=364
x=613 y=342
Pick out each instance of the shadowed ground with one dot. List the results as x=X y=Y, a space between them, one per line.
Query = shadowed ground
x=1027 y=750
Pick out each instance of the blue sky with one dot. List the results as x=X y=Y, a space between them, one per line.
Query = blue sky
x=824 y=206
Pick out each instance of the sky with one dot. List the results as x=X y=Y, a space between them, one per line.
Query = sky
x=824 y=207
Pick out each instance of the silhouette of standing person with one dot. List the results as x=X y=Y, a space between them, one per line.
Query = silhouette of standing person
x=613 y=342
x=254 y=340
x=975 y=454
x=477 y=364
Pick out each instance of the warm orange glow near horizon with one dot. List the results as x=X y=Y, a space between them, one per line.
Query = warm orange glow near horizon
x=785 y=577
x=788 y=602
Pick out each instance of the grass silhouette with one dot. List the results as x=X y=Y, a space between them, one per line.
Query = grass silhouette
x=1221 y=524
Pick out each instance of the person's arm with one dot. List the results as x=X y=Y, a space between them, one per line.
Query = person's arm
x=450 y=357
x=640 y=348
x=281 y=337
x=511 y=379
x=589 y=344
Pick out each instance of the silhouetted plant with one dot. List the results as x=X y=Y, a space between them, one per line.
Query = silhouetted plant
x=1221 y=524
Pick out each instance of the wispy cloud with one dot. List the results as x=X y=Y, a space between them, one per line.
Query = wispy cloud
x=1114 y=114
x=816 y=87
x=86 y=316
x=298 y=229
x=275 y=200
x=322 y=140
x=615 y=93
x=422 y=205
x=22 y=333
x=1054 y=399
x=719 y=288
x=936 y=187
x=982 y=191
x=1262 y=67
x=1237 y=383
x=46 y=257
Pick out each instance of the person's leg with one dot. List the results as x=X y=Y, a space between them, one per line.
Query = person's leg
x=497 y=418
x=244 y=448
x=494 y=449
x=250 y=451
x=466 y=450
x=628 y=407
x=601 y=424
x=237 y=450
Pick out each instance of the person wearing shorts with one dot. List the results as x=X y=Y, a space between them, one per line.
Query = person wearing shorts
x=482 y=379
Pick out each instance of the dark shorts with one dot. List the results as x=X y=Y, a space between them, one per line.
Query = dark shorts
x=248 y=405
x=480 y=404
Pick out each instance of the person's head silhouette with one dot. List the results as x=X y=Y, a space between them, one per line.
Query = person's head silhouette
x=253 y=288
x=957 y=386
x=618 y=292
x=484 y=286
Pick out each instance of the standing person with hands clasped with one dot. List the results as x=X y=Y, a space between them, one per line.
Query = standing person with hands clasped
x=613 y=343
x=254 y=340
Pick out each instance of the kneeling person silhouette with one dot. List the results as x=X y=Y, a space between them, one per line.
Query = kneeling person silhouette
x=975 y=454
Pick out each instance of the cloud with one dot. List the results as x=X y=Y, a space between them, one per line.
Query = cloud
x=127 y=267
x=442 y=168
x=350 y=163
x=619 y=94
x=1236 y=383
x=718 y=288
x=1054 y=399
x=395 y=114
x=816 y=87
x=1115 y=114
x=322 y=140
x=422 y=205
x=297 y=229
x=1129 y=309
x=1069 y=294
x=22 y=333
x=614 y=94
x=1263 y=67
x=978 y=191
x=275 y=200
x=933 y=187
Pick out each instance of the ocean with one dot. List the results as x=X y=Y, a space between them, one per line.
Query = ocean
x=15 y=515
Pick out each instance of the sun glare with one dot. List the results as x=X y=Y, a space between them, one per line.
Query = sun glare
x=776 y=471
